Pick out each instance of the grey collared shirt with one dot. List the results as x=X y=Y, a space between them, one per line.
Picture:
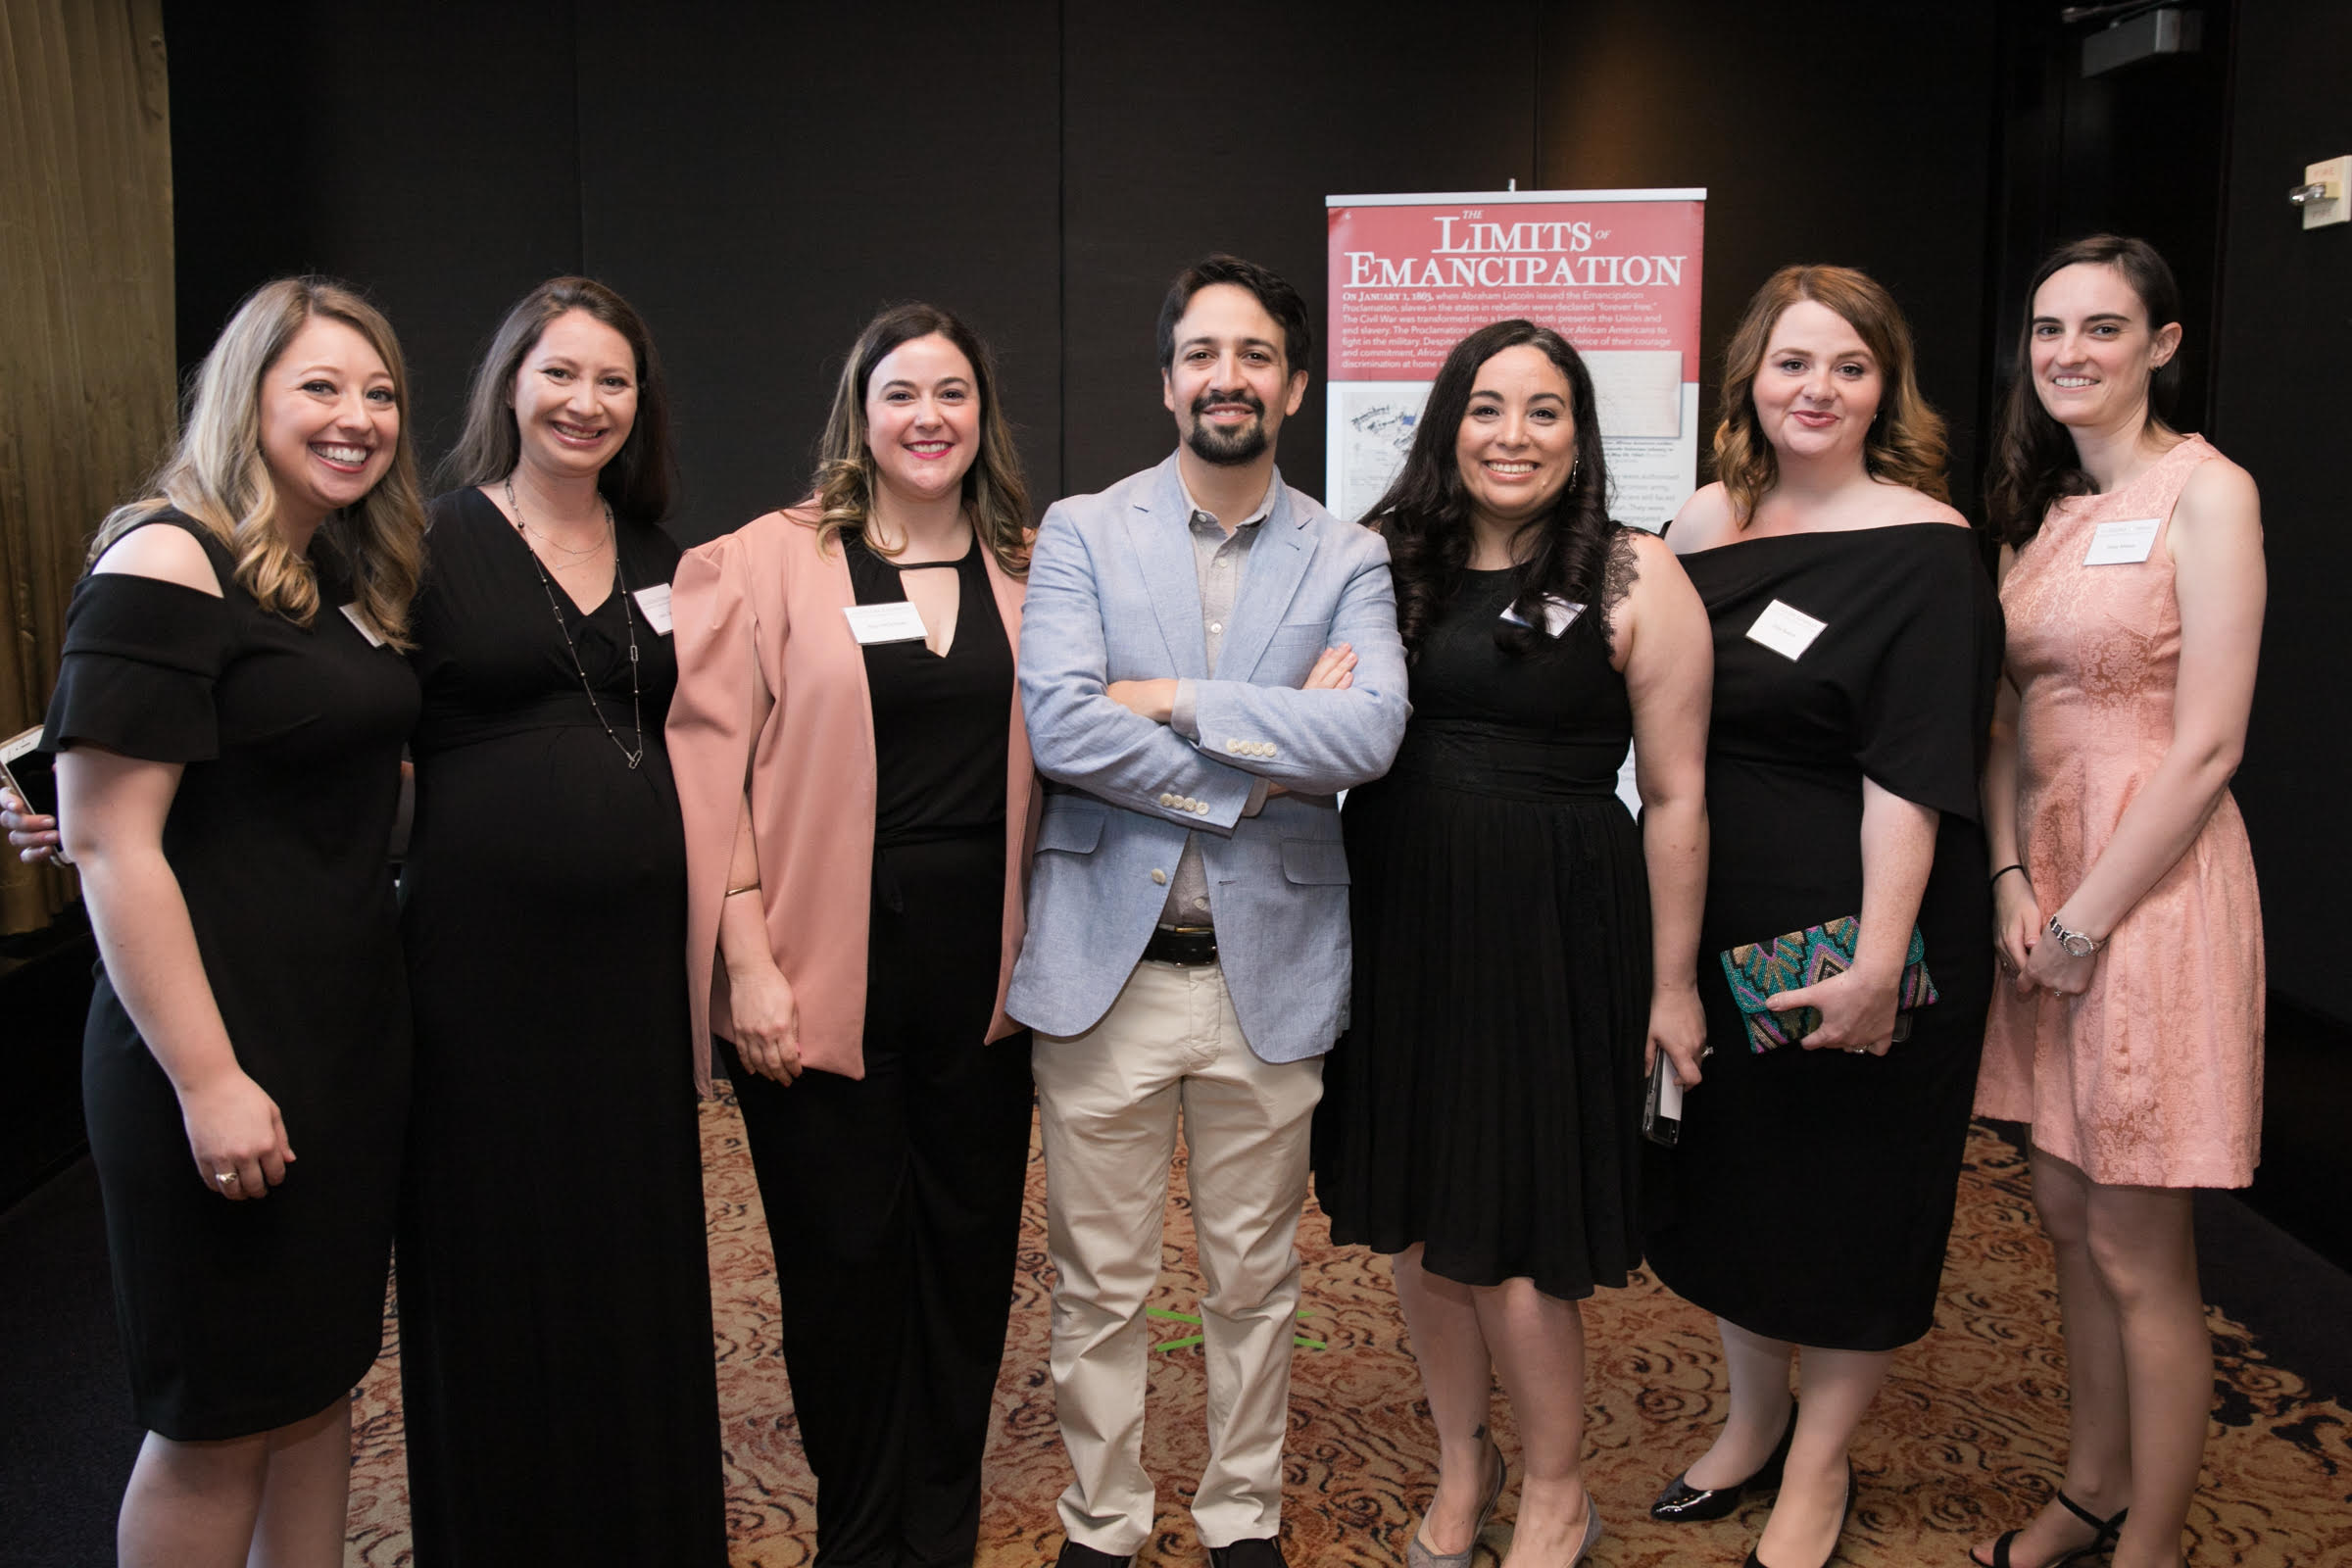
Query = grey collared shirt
x=1218 y=559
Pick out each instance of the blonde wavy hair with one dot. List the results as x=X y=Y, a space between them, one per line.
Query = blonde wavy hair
x=994 y=492
x=1906 y=443
x=217 y=475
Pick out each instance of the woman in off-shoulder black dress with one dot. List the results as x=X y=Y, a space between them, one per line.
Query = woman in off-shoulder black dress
x=1812 y=1191
x=1856 y=643
x=229 y=716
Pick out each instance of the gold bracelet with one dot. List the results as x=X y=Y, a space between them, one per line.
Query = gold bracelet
x=748 y=887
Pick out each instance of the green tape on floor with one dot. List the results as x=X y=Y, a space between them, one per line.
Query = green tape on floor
x=1189 y=1341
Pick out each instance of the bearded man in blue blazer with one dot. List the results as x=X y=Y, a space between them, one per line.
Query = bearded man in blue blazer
x=1207 y=659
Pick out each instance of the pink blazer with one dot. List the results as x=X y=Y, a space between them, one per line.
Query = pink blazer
x=772 y=693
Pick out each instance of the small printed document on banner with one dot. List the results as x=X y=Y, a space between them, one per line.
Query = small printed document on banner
x=1614 y=271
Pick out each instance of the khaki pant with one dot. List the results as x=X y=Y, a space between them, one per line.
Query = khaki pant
x=1109 y=1103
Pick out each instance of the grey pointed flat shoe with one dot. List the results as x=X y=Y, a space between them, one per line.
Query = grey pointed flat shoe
x=1592 y=1534
x=1418 y=1555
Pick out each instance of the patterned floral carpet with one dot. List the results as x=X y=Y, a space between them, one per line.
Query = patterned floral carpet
x=1964 y=1442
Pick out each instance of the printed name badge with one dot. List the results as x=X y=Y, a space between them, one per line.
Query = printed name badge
x=654 y=605
x=899 y=623
x=1784 y=629
x=2123 y=542
x=366 y=627
x=1558 y=613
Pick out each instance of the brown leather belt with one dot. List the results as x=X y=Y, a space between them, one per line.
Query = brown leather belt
x=1187 y=944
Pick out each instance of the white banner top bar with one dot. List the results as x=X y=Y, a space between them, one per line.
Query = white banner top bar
x=1691 y=193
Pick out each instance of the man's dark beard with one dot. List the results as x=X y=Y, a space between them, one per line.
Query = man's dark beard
x=1227 y=449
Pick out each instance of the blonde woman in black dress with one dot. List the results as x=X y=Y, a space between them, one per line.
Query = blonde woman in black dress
x=228 y=719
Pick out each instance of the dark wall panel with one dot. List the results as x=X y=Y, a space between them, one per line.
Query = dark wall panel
x=761 y=178
x=2140 y=150
x=2283 y=399
x=1788 y=122
x=426 y=152
x=758 y=178
x=242 y=186
x=1189 y=131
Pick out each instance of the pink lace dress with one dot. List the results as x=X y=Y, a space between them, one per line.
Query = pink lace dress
x=2153 y=1076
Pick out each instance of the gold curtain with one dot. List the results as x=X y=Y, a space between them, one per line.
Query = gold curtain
x=87 y=363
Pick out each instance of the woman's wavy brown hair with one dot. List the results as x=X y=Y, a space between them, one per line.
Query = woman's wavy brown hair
x=1425 y=513
x=1905 y=445
x=994 y=492
x=217 y=475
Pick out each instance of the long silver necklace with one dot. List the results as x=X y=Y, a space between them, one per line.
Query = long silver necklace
x=622 y=586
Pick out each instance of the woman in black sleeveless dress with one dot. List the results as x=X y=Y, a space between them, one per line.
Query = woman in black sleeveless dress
x=229 y=717
x=1856 y=643
x=1480 y=1120
x=557 y=1382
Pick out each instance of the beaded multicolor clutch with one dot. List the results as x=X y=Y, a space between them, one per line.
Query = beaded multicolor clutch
x=1760 y=970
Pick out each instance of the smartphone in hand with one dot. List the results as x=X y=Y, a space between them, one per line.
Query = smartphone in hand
x=32 y=773
x=1662 y=1109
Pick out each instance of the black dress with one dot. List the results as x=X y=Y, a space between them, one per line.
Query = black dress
x=1811 y=1194
x=1486 y=1101
x=893 y=1200
x=241 y=1317
x=557 y=1370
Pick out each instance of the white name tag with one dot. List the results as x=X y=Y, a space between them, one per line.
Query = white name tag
x=1558 y=613
x=1786 y=630
x=654 y=605
x=366 y=627
x=2122 y=542
x=900 y=622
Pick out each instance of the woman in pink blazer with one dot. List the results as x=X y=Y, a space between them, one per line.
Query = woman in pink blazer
x=859 y=804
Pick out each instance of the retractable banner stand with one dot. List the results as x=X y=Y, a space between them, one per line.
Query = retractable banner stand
x=1614 y=271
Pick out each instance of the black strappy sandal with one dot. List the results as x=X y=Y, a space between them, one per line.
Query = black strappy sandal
x=2102 y=1542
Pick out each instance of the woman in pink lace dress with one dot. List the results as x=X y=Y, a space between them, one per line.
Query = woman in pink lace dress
x=2129 y=1035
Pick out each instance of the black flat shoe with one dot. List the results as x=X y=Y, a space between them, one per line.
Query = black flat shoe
x=1683 y=1503
x=2102 y=1540
x=1844 y=1516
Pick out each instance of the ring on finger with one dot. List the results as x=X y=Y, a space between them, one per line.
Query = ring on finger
x=226 y=1179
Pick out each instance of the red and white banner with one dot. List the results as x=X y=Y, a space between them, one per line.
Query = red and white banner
x=1615 y=271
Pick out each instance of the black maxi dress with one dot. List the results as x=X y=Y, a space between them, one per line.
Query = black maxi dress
x=556 y=1368
x=893 y=1200
x=1811 y=1194
x=1486 y=1101
x=242 y=1317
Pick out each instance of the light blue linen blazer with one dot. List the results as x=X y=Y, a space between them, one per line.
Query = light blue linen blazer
x=1114 y=595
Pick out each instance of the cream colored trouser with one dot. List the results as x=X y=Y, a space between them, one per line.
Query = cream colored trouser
x=1108 y=1100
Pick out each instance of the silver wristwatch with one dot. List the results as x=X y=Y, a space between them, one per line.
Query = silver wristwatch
x=2076 y=943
